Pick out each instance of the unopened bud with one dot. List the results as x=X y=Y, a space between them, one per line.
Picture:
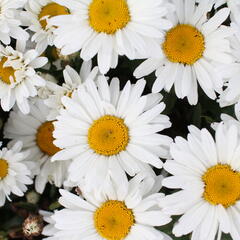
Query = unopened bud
x=32 y=197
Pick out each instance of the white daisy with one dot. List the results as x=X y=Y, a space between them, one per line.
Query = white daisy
x=127 y=210
x=14 y=174
x=37 y=17
x=191 y=51
x=10 y=21
x=72 y=80
x=231 y=72
x=18 y=79
x=107 y=131
x=110 y=28
x=208 y=174
x=36 y=134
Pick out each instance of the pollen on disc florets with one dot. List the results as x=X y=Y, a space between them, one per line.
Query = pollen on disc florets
x=113 y=220
x=184 y=44
x=222 y=185
x=7 y=74
x=108 y=135
x=51 y=10
x=3 y=168
x=108 y=16
x=44 y=139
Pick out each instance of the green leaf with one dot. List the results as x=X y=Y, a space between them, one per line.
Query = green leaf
x=226 y=237
x=54 y=206
x=197 y=115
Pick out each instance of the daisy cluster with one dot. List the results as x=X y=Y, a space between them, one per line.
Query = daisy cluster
x=93 y=151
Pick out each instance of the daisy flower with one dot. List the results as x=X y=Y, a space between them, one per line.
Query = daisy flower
x=107 y=131
x=230 y=72
x=14 y=174
x=37 y=17
x=10 y=21
x=110 y=28
x=35 y=131
x=18 y=79
x=72 y=80
x=208 y=174
x=191 y=51
x=127 y=210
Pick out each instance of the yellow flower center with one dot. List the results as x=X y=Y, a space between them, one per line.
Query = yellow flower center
x=51 y=10
x=184 y=44
x=3 y=168
x=108 y=16
x=222 y=185
x=6 y=72
x=108 y=135
x=113 y=220
x=44 y=139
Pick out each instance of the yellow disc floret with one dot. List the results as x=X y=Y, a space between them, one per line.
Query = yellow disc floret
x=51 y=10
x=108 y=16
x=44 y=139
x=6 y=72
x=108 y=135
x=3 y=168
x=184 y=44
x=222 y=185
x=113 y=220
